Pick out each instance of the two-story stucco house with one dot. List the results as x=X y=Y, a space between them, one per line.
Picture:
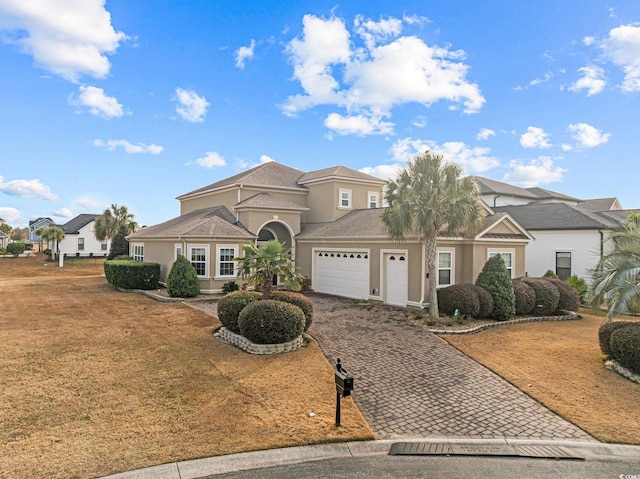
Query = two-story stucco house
x=330 y=218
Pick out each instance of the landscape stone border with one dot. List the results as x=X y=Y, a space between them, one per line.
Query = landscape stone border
x=243 y=343
x=622 y=371
x=566 y=317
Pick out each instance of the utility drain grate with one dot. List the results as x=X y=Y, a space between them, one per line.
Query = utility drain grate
x=469 y=449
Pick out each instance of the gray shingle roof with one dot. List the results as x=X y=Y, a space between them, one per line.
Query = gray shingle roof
x=555 y=216
x=355 y=224
x=598 y=204
x=544 y=194
x=74 y=224
x=494 y=187
x=218 y=222
x=338 y=172
x=265 y=200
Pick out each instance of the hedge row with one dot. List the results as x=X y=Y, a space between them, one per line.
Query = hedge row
x=129 y=274
x=620 y=341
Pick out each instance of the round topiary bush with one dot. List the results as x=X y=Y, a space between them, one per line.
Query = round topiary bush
x=484 y=299
x=605 y=332
x=495 y=278
x=458 y=297
x=525 y=297
x=569 y=297
x=271 y=322
x=230 y=306
x=183 y=281
x=625 y=347
x=547 y=296
x=299 y=300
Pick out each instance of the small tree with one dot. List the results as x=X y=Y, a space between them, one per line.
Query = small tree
x=183 y=281
x=120 y=244
x=495 y=278
x=52 y=234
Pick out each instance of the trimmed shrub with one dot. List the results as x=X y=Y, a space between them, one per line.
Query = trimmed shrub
x=495 y=278
x=605 y=332
x=458 y=297
x=230 y=306
x=547 y=296
x=132 y=274
x=183 y=281
x=299 y=300
x=550 y=275
x=525 y=297
x=579 y=284
x=3 y=251
x=119 y=243
x=625 y=347
x=569 y=298
x=15 y=248
x=271 y=322
x=484 y=299
x=124 y=257
x=230 y=287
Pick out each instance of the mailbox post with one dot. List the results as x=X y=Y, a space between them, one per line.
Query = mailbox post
x=344 y=386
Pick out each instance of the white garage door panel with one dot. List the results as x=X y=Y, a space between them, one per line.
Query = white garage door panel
x=396 y=279
x=342 y=273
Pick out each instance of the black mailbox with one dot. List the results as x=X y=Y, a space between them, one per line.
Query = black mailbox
x=344 y=382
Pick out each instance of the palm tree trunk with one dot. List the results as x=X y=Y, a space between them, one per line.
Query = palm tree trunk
x=432 y=265
x=267 y=286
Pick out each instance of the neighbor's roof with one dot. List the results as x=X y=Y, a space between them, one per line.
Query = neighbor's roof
x=217 y=221
x=337 y=172
x=600 y=204
x=556 y=216
x=494 y=187
x=265 y=200
x=73 y=226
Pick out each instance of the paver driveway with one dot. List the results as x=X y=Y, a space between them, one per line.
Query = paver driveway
x=409 y=382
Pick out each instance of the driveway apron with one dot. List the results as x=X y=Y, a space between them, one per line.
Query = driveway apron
x=410 y=383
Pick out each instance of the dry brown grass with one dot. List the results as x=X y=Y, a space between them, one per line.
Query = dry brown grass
x=94 y=381
x=560 y=365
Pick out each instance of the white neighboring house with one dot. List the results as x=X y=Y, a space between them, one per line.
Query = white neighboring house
x=80 y=239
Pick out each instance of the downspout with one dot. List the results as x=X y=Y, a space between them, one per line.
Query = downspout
x=423 y=276
x=494 y=200
x=239 y=199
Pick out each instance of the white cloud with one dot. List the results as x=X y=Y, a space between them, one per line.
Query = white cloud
x=535 y=138
x=369 y=81
x=27 y=189
x=588 y=136
x=485 y=134
x=245 y=165
x=265 y=159
x=211 y=159
x=593 y=80
x=385 y=172
x=97 y=102
x=416 y=19
x=63 y=213
x=245 y=53
x=419 y=122
x=536 y=81
x=361 y=125
x=88 y=204
x=191 y=107
x=588 y=41
x=68 y=38
x=535 y=172
x=111 y=145
x=10 y=215
x=622 y=47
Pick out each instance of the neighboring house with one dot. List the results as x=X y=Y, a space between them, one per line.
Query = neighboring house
x=80 y=239
x=496 y=193
x=4 y=239
x=35 y=225
x=330 y=218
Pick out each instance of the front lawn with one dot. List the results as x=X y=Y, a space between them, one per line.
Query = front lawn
x=94 y=381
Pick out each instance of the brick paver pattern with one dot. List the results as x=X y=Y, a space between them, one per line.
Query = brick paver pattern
x=411 y=383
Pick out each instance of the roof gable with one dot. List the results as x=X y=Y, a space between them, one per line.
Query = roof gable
x=338 y=172
x=74 y=225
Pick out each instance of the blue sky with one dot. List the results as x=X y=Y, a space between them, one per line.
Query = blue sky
x=135 y=103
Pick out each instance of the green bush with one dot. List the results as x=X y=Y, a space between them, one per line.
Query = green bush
x=579 y=284
x=550 y=275
x=271 y=322
x=230 y=287
x=605 y=332
x=183 y=281
x=299 y=300
x=47 y=251
x=625 y=347
x=547 y=296
x=230 y=306
x=305 y=285
x=484 y=299
x=569 y=298
x=124 y=257
x=495 y=278
x=119 y=243
x=130 y=274
x=3 y=251
x=458 y=297
x=525 y=297
x=15 y=248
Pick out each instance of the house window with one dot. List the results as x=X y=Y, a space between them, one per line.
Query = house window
x=80 y=244
x=103 y=245
x=138 y=252
x=507 y=257
x=563 y=264
x=198 y=258
x=445 y=268
x=226 y=265
x=345 y=198
x=177 y=250
x=373 y=200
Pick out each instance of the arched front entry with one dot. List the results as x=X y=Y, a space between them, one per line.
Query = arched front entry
x=276 y=231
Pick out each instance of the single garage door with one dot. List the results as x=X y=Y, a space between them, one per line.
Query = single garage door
x=342 y=273
x=396 y=279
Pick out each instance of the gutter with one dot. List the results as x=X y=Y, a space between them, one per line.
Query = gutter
x=424 y=274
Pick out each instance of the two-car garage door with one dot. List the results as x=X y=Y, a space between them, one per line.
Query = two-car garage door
x=341 y=273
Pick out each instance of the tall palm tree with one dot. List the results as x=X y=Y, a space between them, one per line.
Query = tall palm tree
x=260 y=265
x=429 y=197
x=108 y=224
x=615 y=280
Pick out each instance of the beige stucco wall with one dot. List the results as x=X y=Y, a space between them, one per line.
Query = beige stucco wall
x=324 y=199
x=226 y=198
x=255 y=219
x=481 y=255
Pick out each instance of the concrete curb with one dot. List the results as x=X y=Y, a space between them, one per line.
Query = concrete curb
x=198 y=468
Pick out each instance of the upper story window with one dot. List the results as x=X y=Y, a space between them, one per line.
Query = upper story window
x=345 y=198
x=138 y=252
x=374 y=199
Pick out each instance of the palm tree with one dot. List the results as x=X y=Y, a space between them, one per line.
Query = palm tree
x=260 y=265
x=615 y=280
x=430 y=197
x=52 y=234
x=108 y=224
